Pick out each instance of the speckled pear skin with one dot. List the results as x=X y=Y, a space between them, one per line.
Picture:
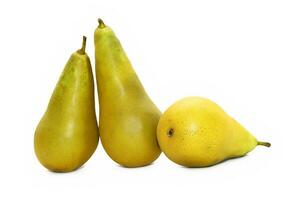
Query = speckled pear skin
x=196 y=132
x=67 y=135
x=128 y=118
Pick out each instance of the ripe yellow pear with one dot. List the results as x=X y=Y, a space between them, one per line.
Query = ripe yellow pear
x=196 y=132
x=67 y=134
x=127 y=116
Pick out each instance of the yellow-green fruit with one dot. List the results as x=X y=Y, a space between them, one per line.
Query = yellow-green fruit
x=128 y=118
x=196 y=132
x=67 y=134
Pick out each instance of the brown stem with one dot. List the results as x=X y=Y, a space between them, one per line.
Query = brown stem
x=82 y=50
x=101 y=23
x=267 y=144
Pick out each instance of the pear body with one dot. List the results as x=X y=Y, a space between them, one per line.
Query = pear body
x=127 y=118
x=67 y=134
x=196 y=132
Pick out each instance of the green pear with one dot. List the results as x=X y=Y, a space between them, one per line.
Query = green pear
x=67 y=134
x=127 y=118
x=196 y=132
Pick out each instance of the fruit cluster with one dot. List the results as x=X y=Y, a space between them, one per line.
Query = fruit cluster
x=194 y=132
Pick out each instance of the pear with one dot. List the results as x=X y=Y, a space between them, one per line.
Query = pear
x=127 y=116
x=67 y=134
x=196 y=132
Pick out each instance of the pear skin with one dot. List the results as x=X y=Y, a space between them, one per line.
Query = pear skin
x=67 y=134
x=127 y=118
x=196 y=132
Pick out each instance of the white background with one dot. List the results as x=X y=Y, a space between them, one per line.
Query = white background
x=228 y=51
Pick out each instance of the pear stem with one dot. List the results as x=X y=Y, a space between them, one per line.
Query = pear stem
x=101 y=23
x=82 y=50
x=267 y=144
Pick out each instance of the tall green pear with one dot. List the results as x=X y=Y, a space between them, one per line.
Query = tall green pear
x=196 y=132
x=127 y=118
x=67 y=134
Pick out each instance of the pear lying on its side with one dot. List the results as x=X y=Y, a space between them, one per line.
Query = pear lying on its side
x=128 y=118
x=196 y=132
x=67 y=134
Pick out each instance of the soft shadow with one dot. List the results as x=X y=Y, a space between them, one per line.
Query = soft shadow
x=216 y=164
x=68 y=172
x=139 y=167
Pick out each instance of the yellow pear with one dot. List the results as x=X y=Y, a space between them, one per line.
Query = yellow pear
x=67 y=134
x=196 y=132
x=127 y=116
